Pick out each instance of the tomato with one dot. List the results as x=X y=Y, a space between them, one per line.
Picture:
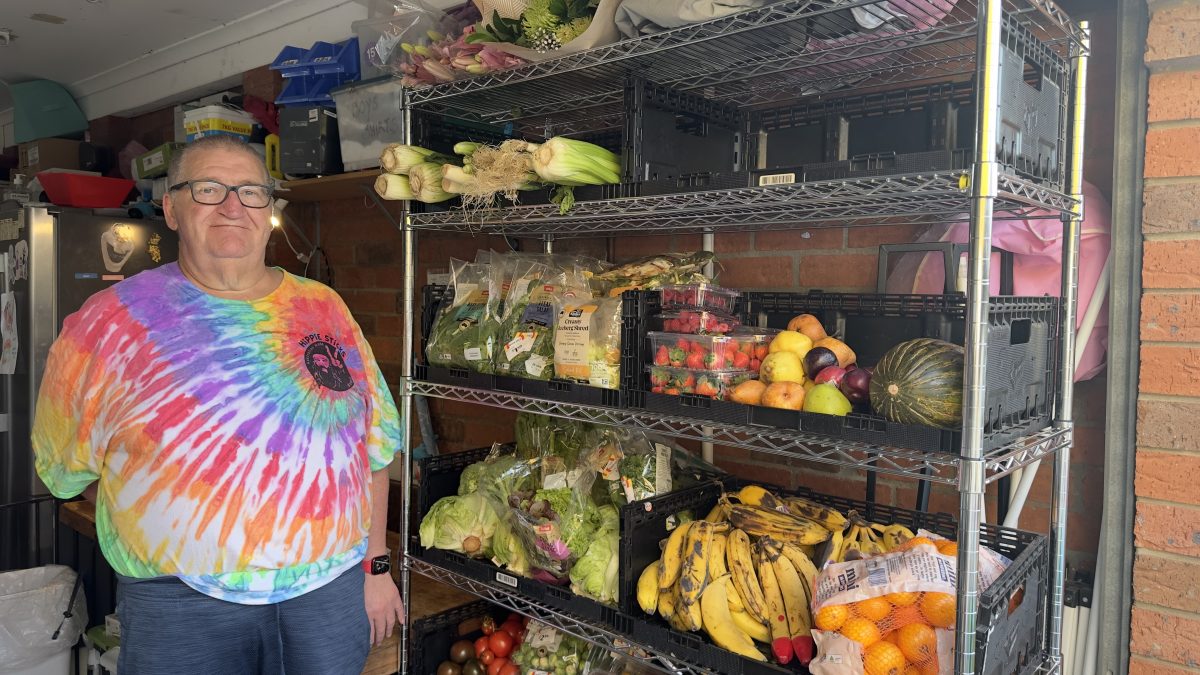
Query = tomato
x=513 y=616
x=511 y=669
x=489 y=625
x=487 y=657
x=501 y=643
x=481 y=645
x=513 y=628
x=525 y=622
x=497 y=666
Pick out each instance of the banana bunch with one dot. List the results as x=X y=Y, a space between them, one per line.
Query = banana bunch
x=862 y=539
x=744 y=574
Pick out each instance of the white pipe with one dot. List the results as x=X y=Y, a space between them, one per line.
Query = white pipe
x=1070 y=626
x=1086 y=327
x=1080 y=641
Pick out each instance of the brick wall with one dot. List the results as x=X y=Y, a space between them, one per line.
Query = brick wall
x=1166 y=611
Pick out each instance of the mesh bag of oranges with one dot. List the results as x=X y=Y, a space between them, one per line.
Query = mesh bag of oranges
x=888 y=610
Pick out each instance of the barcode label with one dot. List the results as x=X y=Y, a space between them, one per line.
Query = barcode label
x=877 y=575
x=506 y=579
x=777 y=179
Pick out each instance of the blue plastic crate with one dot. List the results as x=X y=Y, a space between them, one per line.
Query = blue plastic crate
x=292 y=62
x=311 y=90
x=326 y=58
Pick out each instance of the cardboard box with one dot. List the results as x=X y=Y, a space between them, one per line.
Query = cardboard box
x=48 y=153
x=154 y=163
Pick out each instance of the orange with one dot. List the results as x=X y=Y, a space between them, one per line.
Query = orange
x=947 y=547
x=875 y=609
x=911 y=670
x=915 y=541
x=892 y=637
x=918 y=642
x=902 y=599
x=861 y=631
x=902 y=616
x=883 y=658
x=939 y=609
x=832 y=617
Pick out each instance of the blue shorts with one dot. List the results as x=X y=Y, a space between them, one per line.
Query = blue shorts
x=166 y=627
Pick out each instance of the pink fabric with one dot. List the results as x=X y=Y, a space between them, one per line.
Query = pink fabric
x=1037 y=265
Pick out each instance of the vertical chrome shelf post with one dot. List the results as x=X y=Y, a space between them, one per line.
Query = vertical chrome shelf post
x=984 y=189
x=1064 y=417
x=406 y=397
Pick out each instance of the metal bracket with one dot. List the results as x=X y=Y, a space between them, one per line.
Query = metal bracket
x=380 y=202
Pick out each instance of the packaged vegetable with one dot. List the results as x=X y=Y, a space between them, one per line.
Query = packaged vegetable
x=587 y=342
x=595 y=574
x=498 y=475
x=548 y=651
x=653 y=272
x=463 y=523
x=464 y=332
x=526 y=337
x=507 y=548
x=556 y=524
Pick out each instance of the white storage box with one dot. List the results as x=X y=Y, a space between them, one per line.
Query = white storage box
x=369 y=118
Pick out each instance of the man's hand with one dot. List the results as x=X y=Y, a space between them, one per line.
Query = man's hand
x=385 y=609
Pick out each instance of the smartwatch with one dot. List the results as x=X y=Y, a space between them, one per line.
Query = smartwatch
x=380 y=564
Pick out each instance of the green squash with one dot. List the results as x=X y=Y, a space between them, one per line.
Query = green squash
x=920 y=382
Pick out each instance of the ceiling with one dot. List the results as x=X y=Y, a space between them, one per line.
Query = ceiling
x=100 y=35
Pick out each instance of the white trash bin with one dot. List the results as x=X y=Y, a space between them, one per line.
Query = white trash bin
x=32 y=607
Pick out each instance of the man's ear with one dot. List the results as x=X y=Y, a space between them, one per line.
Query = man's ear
x=169 y=212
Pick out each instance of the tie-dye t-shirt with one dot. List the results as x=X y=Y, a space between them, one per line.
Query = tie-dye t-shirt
x=233 y=440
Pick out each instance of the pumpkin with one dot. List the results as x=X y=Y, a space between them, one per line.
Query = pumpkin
x=920 y=382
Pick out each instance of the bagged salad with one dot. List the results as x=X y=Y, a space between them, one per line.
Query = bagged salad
x=464 y=332
x=526 y=337
x=587 y=342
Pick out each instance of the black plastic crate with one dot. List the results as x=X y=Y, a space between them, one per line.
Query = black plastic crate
x=1022 y=343
x=1011 y=618
x=568 y=391
x=431 y=637
x=923 y=128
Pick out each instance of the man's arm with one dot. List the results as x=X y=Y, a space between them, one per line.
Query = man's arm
x=385 y=608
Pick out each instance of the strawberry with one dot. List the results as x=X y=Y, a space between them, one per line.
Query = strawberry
x=741 y=360
x=676 y=356
x=682 y=343
x=672 y=391
x=761 y=351
x=698 y=348
x=706 y=387
x=688 y=382
x=695 y=361
x=661 y=356
x=656 y=389
x=714 y=361
x=755 y=364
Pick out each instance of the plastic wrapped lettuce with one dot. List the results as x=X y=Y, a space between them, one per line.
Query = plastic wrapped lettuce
x=465 y=524
x=507 y=548
x=464 y=332
x=498 y=475
x=595 y=574
x=556 y=524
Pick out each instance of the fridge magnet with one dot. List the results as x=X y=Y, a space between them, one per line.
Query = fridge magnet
x=116 y=245
x=21 y=265
x=8 y=333
x=153 y=250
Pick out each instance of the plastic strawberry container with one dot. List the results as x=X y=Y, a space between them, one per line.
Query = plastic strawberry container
x=711 y=353
x=698 y=321
x=699 y=296
x=713 y=384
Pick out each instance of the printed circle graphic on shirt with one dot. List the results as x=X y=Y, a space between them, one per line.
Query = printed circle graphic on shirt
x=326 y=362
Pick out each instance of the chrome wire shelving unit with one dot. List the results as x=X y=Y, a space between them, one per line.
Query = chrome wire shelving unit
x=801 y=52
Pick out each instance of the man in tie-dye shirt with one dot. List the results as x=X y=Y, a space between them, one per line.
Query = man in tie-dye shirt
x=232 y=426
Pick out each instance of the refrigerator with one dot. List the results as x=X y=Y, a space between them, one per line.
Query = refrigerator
x=51 y=260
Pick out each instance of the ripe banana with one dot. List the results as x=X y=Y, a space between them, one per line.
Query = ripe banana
x=762 y=522
x=756 y=495
x=719 y=624
x=829 y=518
x=735 y=599
x=647 y=587
x=803 y=564
x=834 y=552
x=716 y=556
x=747 y=624
x=666 y=604
x=781 y=637
x=851 y=545
x=695 y=562
x=692 y=615
x=795 y=598
x=868 y=541
x=672 y=556
x=741 y=565
x=719 y=513
x=894 y=535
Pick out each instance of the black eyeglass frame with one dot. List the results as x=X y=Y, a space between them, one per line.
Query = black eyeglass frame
x=236 y=189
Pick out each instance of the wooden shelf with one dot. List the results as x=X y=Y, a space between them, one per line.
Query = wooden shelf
x=341 y=186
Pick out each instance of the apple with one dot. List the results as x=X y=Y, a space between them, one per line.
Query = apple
x=785 y=395
x=832 y=375
x=818 y=359
x=790 y=341
x=856 y=385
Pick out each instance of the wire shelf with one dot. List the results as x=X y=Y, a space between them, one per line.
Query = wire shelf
x=902 y=199
x=783 y=51
x=931 y=466
x=597 y=635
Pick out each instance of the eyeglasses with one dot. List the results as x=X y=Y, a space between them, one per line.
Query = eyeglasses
x=212 y=193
